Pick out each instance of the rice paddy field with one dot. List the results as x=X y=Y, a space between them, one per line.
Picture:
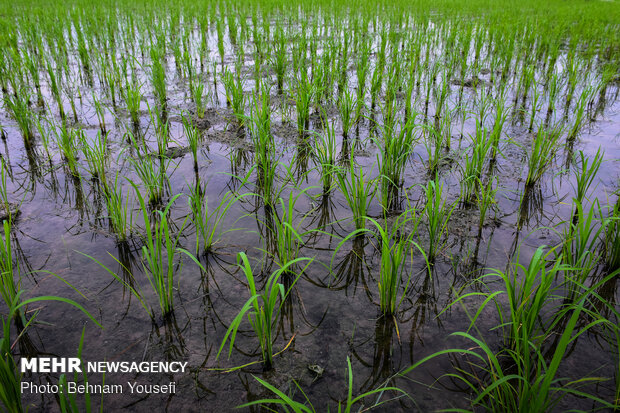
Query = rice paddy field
x=318 y=206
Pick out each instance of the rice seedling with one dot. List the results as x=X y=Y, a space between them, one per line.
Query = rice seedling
x=208 y=222
x=235 y=96
x=279 y=60
x=348 y=109
x=541 y=154
x=158 y=78
x=96 y=156
x=325 y=156
x=611 y=239
x=287 y=234
x=475 y=162
x=262 y=308
x=133 y=97
x=66 y=142
x=18 y=105
x=153 y=176
x=197 y=88
x=396 y=147
x=437 y=214
x=191 y=133
x=158 y=254
x=358 y=191
x=120 y=210
x=9 y=267
x=304 y=93
x=524 y=377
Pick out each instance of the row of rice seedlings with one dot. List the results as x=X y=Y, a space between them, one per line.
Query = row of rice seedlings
x=263 y=307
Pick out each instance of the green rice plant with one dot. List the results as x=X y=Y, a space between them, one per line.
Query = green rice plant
x=585 y=173
x=434 y=143
x=158 y=254
x=358 y=191
x=262 y=308
x=347 y=107
x=287 y=402
x=395 y=249
x=66 y=142
x=471 y=172
x=208 y=222
x=304 y=93
x=95 y=155
x=580 y=113
x=485 y=200
x=541 y=154
x=55 y=87
x=197 y=88
x=501 y=114
x=68 y=400
x=9 y=267
x=100 y=112
x=437 y=214
x=279 y=60
x=265 y=156
x=17 y=104
x=153 y=176
x=10 y=378
x=133 y=96
x=158 y=76
x=260 y=111
x=396 y=146
x=192 y=138
x=579 y=247
x=234 y=94
x=6 y=206
x=120 y=211
x=611 y=238
x=325 y=156
x=287 y=234
x=523 y=376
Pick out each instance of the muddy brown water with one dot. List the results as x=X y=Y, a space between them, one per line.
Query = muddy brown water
x=331 y=316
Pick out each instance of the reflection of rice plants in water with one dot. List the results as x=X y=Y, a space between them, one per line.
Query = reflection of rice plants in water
x=362 y=180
